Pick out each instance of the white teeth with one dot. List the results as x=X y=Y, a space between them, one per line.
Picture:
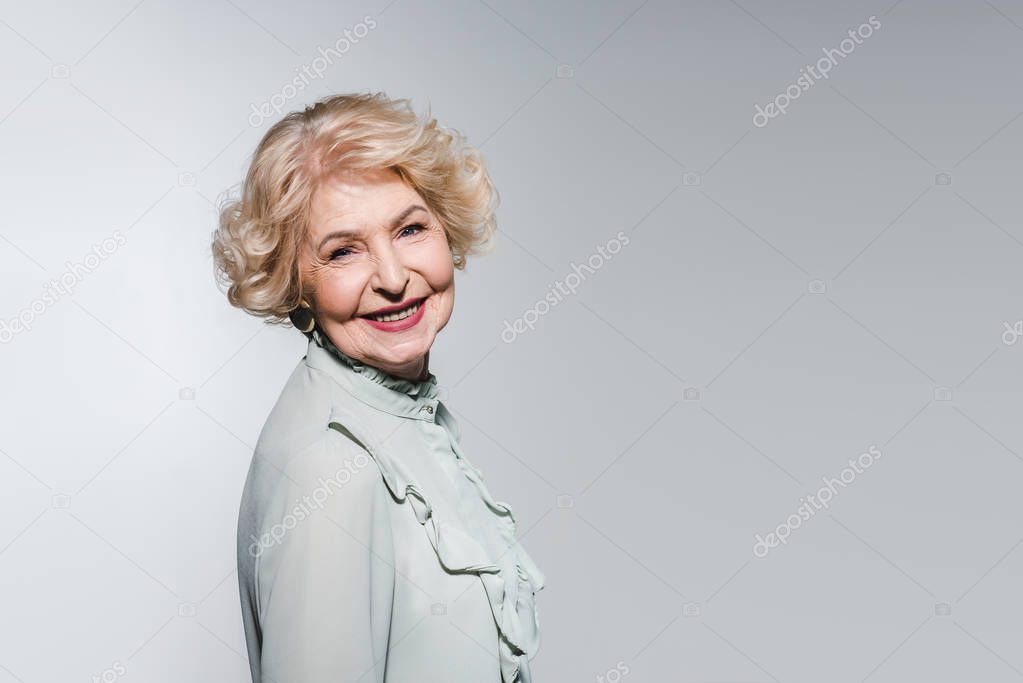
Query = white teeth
x=398 y=315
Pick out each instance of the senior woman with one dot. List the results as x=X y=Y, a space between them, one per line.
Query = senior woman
x=369 y=548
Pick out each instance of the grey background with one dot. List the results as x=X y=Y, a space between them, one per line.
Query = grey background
x=816 y=284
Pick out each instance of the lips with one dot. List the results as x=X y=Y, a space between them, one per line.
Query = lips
x=397 y=312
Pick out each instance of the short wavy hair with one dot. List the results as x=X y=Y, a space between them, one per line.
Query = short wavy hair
x=256 y=245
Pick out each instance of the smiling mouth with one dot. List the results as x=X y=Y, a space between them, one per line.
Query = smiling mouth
x=395 y=316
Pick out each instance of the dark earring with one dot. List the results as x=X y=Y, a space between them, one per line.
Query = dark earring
x=302 y=317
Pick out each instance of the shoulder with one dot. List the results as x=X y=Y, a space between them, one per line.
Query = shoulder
x=302 y=412
x=313 y=461
x=321 y=488
x=299 y=415
x=299 y=454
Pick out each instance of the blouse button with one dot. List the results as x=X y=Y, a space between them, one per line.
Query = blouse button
x=427 y=408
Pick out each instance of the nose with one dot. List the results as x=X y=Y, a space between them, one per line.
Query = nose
x=391 y=276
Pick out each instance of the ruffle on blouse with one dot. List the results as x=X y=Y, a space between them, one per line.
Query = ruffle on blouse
x=510 y=588
x=515 y=610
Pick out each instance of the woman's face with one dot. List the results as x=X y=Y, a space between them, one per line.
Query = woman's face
x=378 y=270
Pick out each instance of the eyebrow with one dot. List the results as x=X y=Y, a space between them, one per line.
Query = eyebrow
x=395 y=222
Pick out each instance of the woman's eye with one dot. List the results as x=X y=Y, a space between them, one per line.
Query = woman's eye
x=337 y=253
x=415 y=227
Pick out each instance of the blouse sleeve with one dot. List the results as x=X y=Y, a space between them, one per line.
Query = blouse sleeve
x=326 y=577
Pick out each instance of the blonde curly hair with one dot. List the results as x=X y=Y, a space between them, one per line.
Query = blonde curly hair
x=257 y=243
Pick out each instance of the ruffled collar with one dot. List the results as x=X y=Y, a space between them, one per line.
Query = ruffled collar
x=417 y=390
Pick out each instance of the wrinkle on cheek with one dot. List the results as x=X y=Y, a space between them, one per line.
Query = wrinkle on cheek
x=434 y=308
x=311 y=277
x=360 y=342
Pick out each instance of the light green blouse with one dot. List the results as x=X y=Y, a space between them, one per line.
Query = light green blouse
x=369 y=548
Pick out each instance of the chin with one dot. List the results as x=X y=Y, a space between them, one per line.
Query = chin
x=408 y=352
